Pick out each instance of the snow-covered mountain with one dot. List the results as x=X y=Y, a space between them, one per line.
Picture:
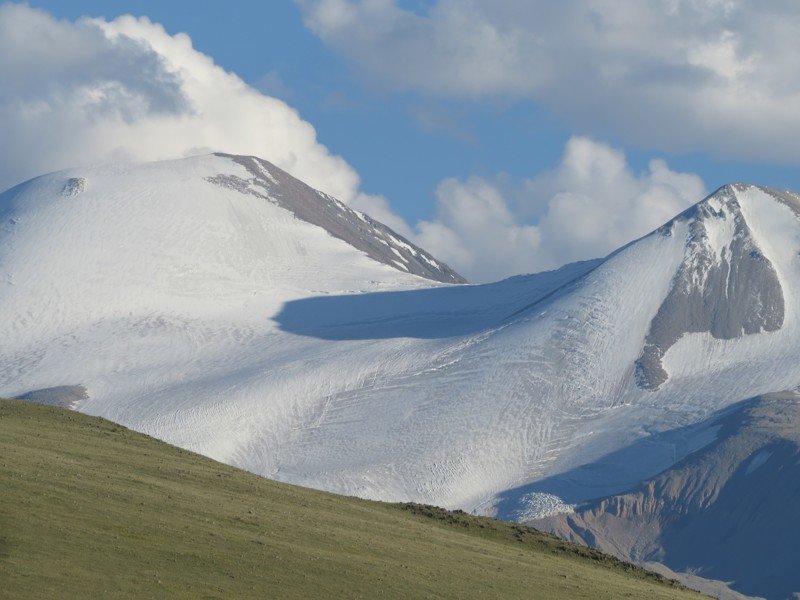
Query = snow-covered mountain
x=221 y=305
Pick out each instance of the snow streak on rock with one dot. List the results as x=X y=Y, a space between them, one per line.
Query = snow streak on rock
x=375 y=239
x=725 y=286
x=74 y=186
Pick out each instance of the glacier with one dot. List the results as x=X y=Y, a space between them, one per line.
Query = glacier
x=194 y=301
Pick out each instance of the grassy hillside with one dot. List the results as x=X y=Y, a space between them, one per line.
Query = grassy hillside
x=91 y=509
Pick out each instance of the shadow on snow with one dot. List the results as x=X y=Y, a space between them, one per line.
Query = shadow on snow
x=430 y=313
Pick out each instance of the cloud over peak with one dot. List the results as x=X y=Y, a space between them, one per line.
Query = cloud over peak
x=91 y=90
x=588 y=206
x=717 y=75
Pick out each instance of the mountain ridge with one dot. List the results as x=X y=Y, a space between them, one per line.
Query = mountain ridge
x=192 y=292
x=357 y=229
x=200 y=311
x=736 y=492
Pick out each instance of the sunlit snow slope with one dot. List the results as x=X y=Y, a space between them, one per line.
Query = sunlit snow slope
x=199 y=302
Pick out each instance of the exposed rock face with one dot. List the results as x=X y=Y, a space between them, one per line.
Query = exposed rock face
x=375 y=239
x=725 y=286
x=73 y=187
x=729 y=512
x=63 y=395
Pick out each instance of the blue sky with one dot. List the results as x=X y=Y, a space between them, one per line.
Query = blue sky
x=386 y=136
x=383 y=135
x=438 y=131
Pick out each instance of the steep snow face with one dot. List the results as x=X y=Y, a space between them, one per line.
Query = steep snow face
x=197 y=302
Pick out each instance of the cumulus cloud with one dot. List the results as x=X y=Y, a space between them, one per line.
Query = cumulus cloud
x=718 y=75
x=88 y=91
x=476 y=233
x=588 y=206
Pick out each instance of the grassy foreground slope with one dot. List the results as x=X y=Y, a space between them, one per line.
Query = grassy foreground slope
x=91 y=509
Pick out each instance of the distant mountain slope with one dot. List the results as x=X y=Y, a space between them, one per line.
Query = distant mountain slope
x=197 y=301
x=90 y=509
x=730 y=511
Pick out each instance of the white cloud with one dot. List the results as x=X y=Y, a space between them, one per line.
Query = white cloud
x=718 y=75
x=594 y=203
x=80 y=92
x=74 y=93
x=475 y=232
x=89 y=91
x=588 y=206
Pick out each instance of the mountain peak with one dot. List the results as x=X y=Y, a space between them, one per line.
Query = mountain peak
x=726 y=285
x=375 y=239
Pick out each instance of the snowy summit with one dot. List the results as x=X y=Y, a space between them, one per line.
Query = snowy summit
x=219 y=304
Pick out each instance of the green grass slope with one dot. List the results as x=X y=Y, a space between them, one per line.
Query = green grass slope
x=89 y=509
